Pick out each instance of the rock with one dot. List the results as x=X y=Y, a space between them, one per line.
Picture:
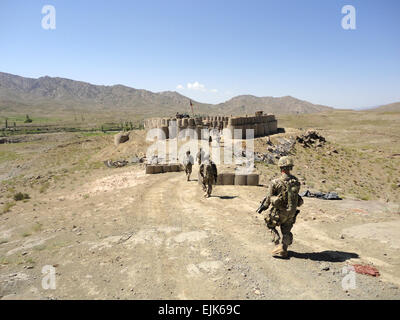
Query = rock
x=257 y=292
x=121 y=138
x=341 y=236
x=323 y=181
x=325 y=267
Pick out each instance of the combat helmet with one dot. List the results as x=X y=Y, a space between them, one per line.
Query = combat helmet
x=285 y=162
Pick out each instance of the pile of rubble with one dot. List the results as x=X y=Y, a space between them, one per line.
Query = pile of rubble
x=276 y=151
x=311 y=138
x=122 y=163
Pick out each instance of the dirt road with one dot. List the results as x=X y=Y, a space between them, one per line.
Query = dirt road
x=119 y=234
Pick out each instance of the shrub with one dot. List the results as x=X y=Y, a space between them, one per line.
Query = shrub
x=21 y=196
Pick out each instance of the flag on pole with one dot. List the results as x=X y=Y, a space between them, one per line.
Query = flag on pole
x=191 y=106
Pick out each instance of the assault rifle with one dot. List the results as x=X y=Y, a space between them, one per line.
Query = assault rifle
x=262 y=206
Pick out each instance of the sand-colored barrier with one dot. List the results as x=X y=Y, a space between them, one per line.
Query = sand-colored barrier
x=252 y=179
x=220 y=179
x=240 y=179
x=273 y=126
x=149 y=169
x=228 y=179
x=158 y=168
x=165 y=130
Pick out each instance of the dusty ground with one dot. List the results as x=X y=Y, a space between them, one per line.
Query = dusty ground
x=119 y=234
x=123 y=235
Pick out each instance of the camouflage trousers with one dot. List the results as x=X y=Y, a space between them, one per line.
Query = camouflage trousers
x=188 y=170
x=279 y=218
x=207 y=186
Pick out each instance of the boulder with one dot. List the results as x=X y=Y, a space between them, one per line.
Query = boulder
x=121 y=138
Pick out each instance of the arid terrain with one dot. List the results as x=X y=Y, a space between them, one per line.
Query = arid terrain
x=117 y=233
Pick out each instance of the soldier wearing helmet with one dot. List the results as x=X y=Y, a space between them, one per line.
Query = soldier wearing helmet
x=208 y=173
x=188 y=163
x=282 y=201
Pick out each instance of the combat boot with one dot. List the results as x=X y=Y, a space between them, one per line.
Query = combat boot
x=280 y=251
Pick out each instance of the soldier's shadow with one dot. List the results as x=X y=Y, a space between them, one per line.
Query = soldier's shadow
x=225 y=197
x=326 y=256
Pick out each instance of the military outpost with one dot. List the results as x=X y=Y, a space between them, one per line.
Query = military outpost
x=262 y=124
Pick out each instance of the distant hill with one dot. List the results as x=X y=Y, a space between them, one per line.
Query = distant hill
x=284 y=105
x=388 y=107
x=48 y=94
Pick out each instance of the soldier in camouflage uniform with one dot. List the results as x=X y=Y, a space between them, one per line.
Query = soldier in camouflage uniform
x=200 y=156
x=188 y=163
x=283 y=199
x=208 y=173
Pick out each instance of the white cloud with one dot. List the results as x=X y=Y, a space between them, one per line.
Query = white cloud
x=196 y=86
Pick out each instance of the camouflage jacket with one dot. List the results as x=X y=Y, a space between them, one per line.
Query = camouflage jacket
x=209 y=171
x=283 y=194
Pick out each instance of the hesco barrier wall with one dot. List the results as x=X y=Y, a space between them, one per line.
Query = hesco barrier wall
x=230 y=179
x=262 y=124
x=163 y=168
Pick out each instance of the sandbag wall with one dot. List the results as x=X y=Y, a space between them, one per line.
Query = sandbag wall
x=171 y=127
x=163 y=168
x=262 y=125
x=230 y=179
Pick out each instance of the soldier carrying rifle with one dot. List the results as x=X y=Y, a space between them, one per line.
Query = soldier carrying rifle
x=282 y=201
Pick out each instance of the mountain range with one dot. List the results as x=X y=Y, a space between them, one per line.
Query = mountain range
x=53 y=94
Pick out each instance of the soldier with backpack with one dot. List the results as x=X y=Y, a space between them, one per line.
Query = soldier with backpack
x=282 y=201
x=209 y=174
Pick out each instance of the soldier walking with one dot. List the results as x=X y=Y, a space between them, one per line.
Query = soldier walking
x=208 y=173
x=282 y=201
x=200 y=156
x=188 y=163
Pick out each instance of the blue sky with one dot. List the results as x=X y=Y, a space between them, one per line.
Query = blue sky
x=212 y=50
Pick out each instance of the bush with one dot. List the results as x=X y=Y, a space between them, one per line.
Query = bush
x=21 y=196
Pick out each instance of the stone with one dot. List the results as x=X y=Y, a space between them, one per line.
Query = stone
x=325 y=267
